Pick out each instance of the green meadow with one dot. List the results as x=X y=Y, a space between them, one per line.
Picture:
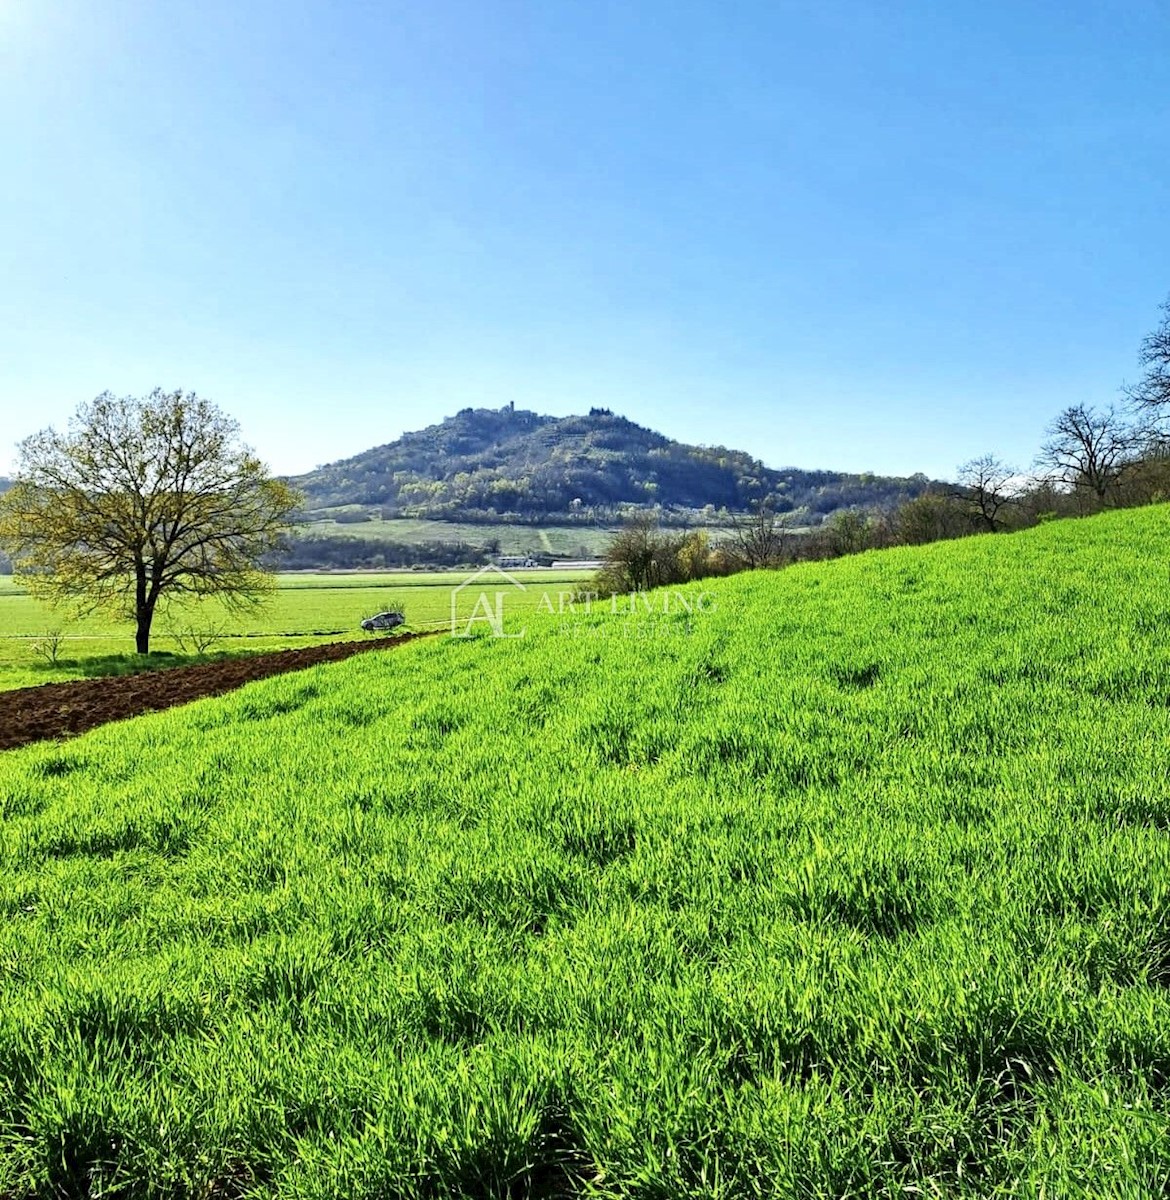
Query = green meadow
x=576 y=540
x=851 y=880
x=305 y=609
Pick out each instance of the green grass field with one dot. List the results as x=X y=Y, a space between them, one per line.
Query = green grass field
x=581 y=540
x=306 y=609
x=849 y=880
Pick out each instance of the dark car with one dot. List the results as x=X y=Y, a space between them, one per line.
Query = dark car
x=386 y=620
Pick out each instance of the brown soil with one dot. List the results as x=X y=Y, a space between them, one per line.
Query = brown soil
x=56 y=710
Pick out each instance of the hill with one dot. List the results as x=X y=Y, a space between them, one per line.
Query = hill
x=488 y=463
x=850 y=879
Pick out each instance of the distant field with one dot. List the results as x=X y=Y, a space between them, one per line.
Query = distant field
x=307 y=608
x=850 y=880
x=575 y=541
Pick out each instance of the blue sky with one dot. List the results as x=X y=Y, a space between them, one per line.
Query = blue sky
x=883 y=236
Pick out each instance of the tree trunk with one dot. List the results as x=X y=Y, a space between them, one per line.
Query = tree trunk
x=142 y=636
x=143 y=612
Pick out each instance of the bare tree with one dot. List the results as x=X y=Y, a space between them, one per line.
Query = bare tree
x=197 y=641
x=758 y=538
x=1087 y=449
x=988 y=486
x=1152 y=393
x=140 y=501
x=48 y=645
x=632 y=557
x=1146 y=480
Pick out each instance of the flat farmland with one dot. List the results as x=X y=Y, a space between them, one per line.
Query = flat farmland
x=585 y=541
x=576 y=541
x=305 y=609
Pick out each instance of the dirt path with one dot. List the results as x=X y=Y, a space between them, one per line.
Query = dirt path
x=56 y=710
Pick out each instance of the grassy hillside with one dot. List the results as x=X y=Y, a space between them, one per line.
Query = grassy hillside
x=853 y=880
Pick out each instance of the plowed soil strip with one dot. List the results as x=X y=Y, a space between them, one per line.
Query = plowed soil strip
x=56 y=710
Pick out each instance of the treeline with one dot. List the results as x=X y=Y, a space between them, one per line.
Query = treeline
x=1092 y=459
x=645 y=554
x=348 y=553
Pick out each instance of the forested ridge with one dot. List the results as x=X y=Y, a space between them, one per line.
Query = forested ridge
x=490 y=463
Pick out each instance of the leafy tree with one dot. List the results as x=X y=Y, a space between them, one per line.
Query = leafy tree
x=931 y=517
x=143 y=501
x=850 y=532
x=641 y=556
x=693 y=555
